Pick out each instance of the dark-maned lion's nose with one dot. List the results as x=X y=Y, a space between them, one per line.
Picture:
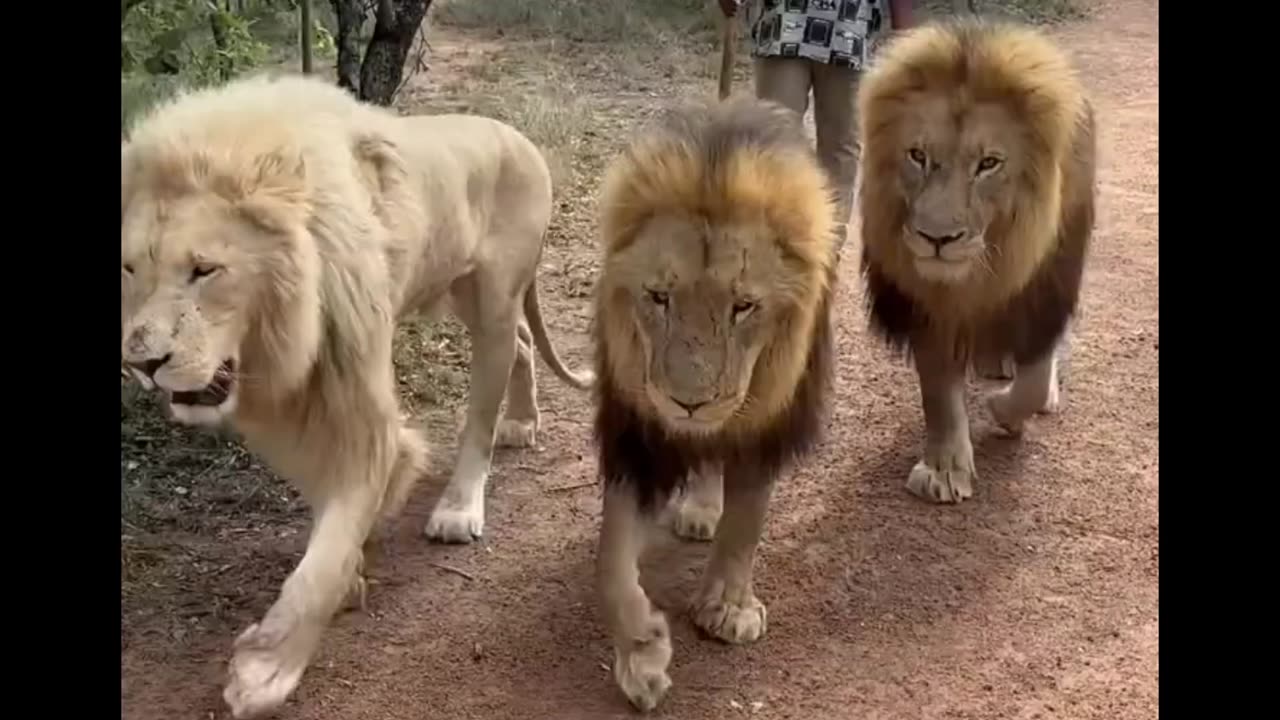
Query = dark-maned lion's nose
x=940 y=240
x=149 y=367
x=690 y=408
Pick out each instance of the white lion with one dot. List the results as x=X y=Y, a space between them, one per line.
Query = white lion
x=273 y=231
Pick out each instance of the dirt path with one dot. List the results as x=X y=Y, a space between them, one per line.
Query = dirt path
x=1038 y=599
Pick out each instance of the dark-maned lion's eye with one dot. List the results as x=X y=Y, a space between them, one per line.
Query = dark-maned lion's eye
x=988 y=163
x=918 y=157
x=658 y=297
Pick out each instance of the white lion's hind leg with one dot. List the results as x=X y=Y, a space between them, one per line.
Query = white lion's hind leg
x=726 y=606
x=519 y=426
x=698 y=508
x=1034 y=390
x=459 y=514
x=641 y=637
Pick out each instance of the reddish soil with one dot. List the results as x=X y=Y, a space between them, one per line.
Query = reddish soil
x=1036 y=599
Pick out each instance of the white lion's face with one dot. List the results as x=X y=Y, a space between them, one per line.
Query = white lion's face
x=183 y=302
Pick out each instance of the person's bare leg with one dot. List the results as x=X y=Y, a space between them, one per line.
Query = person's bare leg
x=835 y=119
x=784 y=80
x=726 y=606
x=641 y=638
x=698 y=507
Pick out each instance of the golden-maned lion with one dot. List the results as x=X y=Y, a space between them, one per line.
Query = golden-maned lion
x=712 y=347
x=273 y=232
x=977 y=207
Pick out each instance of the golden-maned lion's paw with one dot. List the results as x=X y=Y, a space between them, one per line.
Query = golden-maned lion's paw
x=995 y=367
x=737 y=620
x=640 y=667
x=266 y=666
x=945 y=476
x=1012 y=405
x=516 y=433
x=695 y=520
x=451 y=524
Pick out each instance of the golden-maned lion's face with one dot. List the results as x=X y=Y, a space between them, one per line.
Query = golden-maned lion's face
x=705 y=300
x=185 y=290
x=958 y=166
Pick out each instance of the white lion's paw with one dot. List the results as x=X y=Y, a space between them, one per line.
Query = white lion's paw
x=450 y=523
x=946 y=477
x=695 y=520
x=516 y=433
x=640 y=666
x=267 y=663
x=731 y=619
x=356 y=594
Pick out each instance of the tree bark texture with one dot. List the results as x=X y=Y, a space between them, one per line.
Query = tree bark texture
x=350 y=14
x=393 y=35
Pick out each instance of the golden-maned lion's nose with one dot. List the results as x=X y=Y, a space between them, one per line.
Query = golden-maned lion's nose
x=149 y=367
x=938 y=240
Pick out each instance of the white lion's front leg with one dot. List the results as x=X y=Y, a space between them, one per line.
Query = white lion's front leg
x=698 y=507
x=1034 y=390
x=459 y=514
x=946 y=472
x=271 y=656
x=641 y=637
x=726 y=606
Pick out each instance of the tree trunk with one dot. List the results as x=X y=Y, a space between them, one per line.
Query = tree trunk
x=350 y=15
x=397 y=26
x=308 y=30
x=217 y=24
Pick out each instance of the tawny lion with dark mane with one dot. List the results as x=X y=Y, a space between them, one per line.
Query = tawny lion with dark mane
x=712 y=346
x=977 y=209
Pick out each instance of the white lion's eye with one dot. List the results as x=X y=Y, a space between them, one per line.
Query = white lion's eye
x=128 y=269
x=203 y=270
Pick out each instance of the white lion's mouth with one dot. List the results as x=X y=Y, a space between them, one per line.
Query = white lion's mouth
x=212 y=395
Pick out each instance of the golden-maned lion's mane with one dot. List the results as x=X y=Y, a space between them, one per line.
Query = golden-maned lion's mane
x=744 y=158
x=1021 y=302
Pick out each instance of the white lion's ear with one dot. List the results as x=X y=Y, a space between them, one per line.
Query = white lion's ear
x=277 y=199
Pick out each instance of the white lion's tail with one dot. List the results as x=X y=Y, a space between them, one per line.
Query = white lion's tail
x=582 y=380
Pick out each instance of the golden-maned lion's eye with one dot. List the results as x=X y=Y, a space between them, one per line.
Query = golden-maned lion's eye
x=203 y=270
x=658 y=297
x=742 y=308
x=918 y=157
x=987 y=164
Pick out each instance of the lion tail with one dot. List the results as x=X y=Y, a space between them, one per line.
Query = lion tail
x=533 y=312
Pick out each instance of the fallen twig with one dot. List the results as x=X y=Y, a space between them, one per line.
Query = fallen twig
x=454 y=570
x=567 y=488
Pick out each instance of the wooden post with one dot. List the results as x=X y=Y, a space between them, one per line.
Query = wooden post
x=308 y=32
